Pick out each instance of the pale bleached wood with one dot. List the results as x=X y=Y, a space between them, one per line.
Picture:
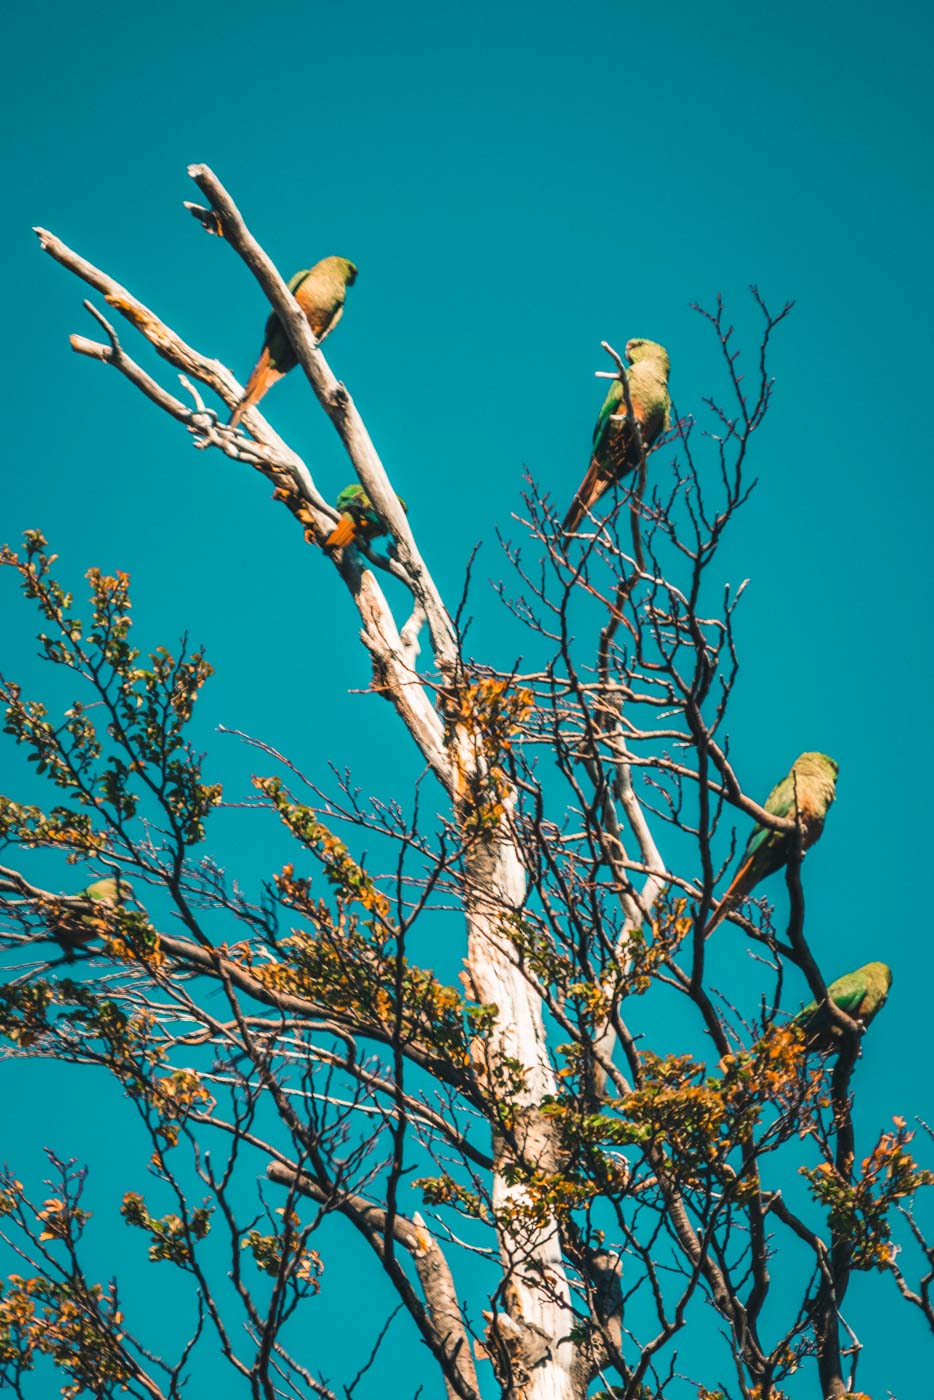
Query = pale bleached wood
x=447 y=1329
x=537 y=1293
x=495 y=878
x=393 y=656
x=340 y=408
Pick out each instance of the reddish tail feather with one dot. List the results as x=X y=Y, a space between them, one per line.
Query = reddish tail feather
x=587 y=494
x=259 y=382
x=726 y=904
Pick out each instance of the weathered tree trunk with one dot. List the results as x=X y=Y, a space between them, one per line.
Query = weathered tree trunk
x=528 y=1339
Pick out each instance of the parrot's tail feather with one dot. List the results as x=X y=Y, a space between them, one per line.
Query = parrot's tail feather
x=573 y=517
x=342 y=534
x=736 y=888
x=723 y=908
x=259 y=383
x=588 y=493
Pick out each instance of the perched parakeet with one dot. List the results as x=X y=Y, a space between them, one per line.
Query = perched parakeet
x=358 y=518
x=320 y=293
x=75 y=930
x=614 y=444
x=813 y=782
x=861 y=994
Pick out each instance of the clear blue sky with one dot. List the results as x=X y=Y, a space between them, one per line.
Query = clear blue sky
x=515 y=183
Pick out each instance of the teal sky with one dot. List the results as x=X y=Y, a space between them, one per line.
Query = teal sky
x=516 y=183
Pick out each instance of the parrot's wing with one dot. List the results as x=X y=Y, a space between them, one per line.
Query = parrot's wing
x=781 y=800
x=275 y=336
x=781 y=803
x=758 y=837
x=850 y=994
x=331 y=324
x=611 y=405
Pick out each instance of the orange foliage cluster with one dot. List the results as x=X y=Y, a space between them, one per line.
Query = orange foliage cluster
x=859 y=1210
x=697 y=1119
x=350 y=881
x=483 y=718
x=172 y=1237
x=75 y=1325
x=284 y=1255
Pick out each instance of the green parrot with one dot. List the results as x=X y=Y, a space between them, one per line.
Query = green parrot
x=614 y=445
x=320 y=292
x=813 y=780
x=73 y=930
x=358 y=518
x=861 y=994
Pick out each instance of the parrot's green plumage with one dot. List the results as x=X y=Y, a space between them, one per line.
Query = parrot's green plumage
x=320 y=292
x=359 y=519
x=615 y=451
x=861 y=994
x=74 y=930
x=807 y=791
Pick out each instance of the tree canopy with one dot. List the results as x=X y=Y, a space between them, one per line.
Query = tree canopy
x=571 y=1140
